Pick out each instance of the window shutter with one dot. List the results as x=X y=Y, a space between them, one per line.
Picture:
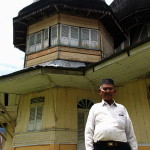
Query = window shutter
x=38 y=37
x=27 y=45
x=64 y=35
x=54 y=35
x=32 y=119
x=74 y=36
x=39 y=113
x=38 y=41
x=85 y=38
x=39 y=117
x=94 y=39
x=35 y=120
x=46 y=38
x=31 y=43
x=64 y=31
x=81 y=126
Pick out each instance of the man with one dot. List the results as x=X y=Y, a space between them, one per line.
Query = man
x=108 y=125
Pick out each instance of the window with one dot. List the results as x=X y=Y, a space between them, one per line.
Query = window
x=93 y=39
x=64 y=32
x=63 y=35
x=46 y=38
x=36 y=110
x=69 y=35
x=74 y=36
x=31 y=43
x=38 y=41
x=83 y=109
x=54 y=35
x=35 y=42
x=85 y=38
x=89 y=38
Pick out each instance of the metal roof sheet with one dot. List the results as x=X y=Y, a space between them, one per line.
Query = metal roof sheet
x=63 y=63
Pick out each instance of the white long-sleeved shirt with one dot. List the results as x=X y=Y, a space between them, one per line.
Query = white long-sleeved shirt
x=109 y=123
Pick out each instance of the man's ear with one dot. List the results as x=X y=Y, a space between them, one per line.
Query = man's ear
x=99 y=90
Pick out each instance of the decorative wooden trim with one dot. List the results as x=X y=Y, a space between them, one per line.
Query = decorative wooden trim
x=50 y=137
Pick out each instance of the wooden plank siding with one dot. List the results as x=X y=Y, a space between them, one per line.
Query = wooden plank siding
x=69 y=53
x=61 y=101
x=134 y=96
x=48 y=147
x=64 y=19
x=12 y=106
x=62 y=52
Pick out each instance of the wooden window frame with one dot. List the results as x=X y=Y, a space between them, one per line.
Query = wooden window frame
x=34 y=120
x=76 y=41
x=54 y=40
x=70 y=38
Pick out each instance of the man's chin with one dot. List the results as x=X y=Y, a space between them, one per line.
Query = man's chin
x=108 y=99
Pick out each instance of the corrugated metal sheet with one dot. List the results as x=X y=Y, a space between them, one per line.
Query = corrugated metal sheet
x=58 y=64
x=62 y=63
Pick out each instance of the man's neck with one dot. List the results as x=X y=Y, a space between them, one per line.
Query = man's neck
x=110 y=102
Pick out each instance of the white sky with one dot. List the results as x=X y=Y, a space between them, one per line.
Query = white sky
x=11 y=59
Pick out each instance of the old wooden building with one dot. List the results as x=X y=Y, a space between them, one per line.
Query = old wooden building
x=69 y=46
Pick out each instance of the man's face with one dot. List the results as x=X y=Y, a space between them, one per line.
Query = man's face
x=107 y=91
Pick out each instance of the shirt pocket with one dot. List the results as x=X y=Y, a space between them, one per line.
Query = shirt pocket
x=121 y=120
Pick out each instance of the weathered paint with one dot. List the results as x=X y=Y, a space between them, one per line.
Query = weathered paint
x=47 y=147
x=106 y=41
x=60 y=114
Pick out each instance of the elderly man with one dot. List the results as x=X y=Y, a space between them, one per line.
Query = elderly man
x=108 y=125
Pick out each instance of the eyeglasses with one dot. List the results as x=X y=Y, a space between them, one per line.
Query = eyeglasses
x=108 y=88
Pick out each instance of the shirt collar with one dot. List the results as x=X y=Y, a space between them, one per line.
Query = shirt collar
x=105 y=103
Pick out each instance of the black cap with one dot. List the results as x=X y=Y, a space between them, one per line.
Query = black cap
x=107 y=81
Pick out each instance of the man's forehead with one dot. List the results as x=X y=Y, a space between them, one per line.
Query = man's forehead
x=107 y=85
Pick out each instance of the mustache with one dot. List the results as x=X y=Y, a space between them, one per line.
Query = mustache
x=108 y=94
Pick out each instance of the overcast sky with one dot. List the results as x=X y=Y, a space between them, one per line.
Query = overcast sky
x=11 y=59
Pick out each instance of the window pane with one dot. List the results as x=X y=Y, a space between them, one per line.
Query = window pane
x=37 y=100
x=31 y=39
x=54 y=38
x=74 y=33
x=32 y=114
x=38 y=125
x=64 y=39
x=38 y=37
x=38 y=41
x=94 y=35
x=94 y=39
x=64 y=31
x=46 y=34
x=39 y=113
x=54 y=32
x=74 y=41
x=27 y=45
x=85 y=38
x=85 y=34
x=80 y=126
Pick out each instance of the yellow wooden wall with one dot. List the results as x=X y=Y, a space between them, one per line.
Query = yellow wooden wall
x=13 y=99
x=62 y=101
x=61 y=147
x=134 y=97
x=60 y=108
x=48 y=147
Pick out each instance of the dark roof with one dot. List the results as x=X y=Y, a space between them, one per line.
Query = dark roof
x=131 y=12
x=33 y=13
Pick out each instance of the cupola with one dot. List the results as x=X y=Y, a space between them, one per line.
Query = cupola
x=80 y=31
